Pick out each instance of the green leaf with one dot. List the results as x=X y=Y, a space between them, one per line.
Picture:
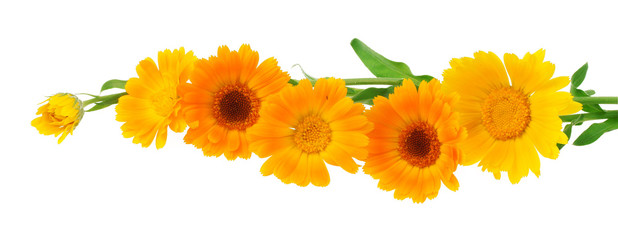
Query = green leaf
x=576 y=80
x=579 y=93
x=378 y=64
x=569 y=127
x=567 y=131
x=366 y=96
x=353 y=91
x=304 y=73
x=425 y=78
x=595 y=131
x=293 y=82
x=592 y=108
x=106 y=101
x=99 y=106
x=114 y=83
x=578 y=77
x=587 y=107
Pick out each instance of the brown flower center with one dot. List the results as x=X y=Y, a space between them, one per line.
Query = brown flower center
x=506 y=113
x=236 y=107
x=312 y=134
x=419 y=144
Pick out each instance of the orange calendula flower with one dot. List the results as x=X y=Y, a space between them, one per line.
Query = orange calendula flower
x=301 y=127
x=510 y=120
x=414 y=146
x=152 y=104
x=224 y=99
x=60 y=115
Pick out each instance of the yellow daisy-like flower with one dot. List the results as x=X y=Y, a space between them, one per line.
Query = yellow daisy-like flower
x=301 y=127
x=152 y=104
x=509 y=121
x=60 y=115
x=224 y=98
x=414 y=146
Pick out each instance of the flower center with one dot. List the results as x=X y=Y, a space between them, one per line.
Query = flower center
x=236 y=107
x=312 y=134
x=506 y=113
x=419 y=145
x=164 y=101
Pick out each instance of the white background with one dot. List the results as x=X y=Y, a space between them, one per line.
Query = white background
x=98 y=185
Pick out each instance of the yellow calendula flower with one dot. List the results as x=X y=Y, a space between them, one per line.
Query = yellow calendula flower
x=302 y=127
x=60 y=115
x=415 y=144
x=152 y=101
x=224 y=98
x=510 y=117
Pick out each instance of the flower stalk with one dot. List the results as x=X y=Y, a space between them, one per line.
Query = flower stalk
x=373 y=81
x=590 y=116
x=596 y=100
x=102 y=101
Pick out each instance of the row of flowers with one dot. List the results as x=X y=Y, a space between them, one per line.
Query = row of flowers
x=498 y=114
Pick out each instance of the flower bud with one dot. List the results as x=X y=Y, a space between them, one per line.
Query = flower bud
x=60 y=114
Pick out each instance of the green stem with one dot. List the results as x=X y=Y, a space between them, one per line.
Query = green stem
x=362 y=81
x=372 y=81
x=591 y=116
x=96 y=98
x=596 y=100
x=90 y=101
x=351 y=91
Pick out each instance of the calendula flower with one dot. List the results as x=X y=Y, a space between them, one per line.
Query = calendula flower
x=302 y=127
x=509 y=121
x=224 y=99
x=152 y=104
x=414 y=146
x=60 y=115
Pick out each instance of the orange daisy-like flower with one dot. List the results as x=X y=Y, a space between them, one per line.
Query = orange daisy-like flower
x=509 y=121
x=301 y=127
x=414 y=146
x=151 y=104
x=224 y=97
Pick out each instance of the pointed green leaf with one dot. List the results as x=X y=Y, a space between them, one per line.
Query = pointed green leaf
x=99 y=106
x=567 y=131
x=569 y=127
x=595 y=131
x=425 y=78
x=378 y=64
x=578 y=77
x=293 y=82
x=592 y=108
x=353 y=91
x=579 y=93
x=366 y=96
x=586 y=107
x=590 y=92
x=114 y=83
x=106 y=101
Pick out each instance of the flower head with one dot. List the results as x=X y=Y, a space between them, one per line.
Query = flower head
x=60 y=115
x=224 y=99
x=302 y=127
x=152 y=104
x=510 y=121
x=414 y=146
